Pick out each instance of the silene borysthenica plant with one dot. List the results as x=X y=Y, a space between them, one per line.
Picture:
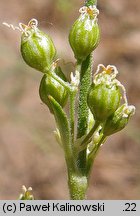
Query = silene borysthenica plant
x=98 y=104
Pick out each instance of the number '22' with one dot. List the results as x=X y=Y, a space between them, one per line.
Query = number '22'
x=130 y=206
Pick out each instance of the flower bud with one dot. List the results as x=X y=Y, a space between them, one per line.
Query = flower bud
x=84 y=35
x=49 y=86
x=118 y=120
x=104 y=96
x=37 y=48
x=26 y=194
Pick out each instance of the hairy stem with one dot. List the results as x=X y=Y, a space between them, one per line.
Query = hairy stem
x=83 y=110
x=93 y=154
x=73 y=93
x=91 y=132
x=77 y=186
x=72 y=114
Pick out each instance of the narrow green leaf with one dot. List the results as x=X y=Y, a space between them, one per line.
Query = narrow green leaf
x=64 y=128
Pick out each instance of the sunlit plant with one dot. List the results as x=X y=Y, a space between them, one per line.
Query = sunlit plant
x=98 y=105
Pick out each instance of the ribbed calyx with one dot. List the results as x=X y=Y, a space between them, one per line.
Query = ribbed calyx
x=104 y=94
x=85 y=34
x=118 y=120
x=50 y=87
x=37 y=48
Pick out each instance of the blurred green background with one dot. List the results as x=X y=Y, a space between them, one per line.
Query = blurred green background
x=29 y=154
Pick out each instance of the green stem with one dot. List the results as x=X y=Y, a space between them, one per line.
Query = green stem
x=78 y=66
x=72 y=113
x=73 y=93
x=72 y=103
x=64 y=129
x=58 y=79
x=77 y=185
x=93 y=154
x=83 y=110
x=89 y=135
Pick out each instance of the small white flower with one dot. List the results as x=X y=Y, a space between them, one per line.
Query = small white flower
x=107 y=75
x=33 y=23
x=128 y=111
x=92 y=9
x=75 y=79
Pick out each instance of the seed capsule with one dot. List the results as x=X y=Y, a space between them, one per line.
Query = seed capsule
x=49 y=86
x=37 y=48
x=103 y=101
x=84 y=34
x=118 y=120
x=104 y=95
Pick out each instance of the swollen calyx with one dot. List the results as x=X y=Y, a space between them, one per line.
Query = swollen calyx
x=85 y=34
x=37 y=48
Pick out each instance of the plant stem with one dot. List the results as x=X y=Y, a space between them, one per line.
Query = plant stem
x=93 y=155
x=89 y=135
x=83 y=110
x=58 y=79
x=64 y=129
x=78 y=66
x=77 y=185
x=72 y=113
x=73 y=93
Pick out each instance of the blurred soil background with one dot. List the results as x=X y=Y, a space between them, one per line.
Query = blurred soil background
x=29 y=154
